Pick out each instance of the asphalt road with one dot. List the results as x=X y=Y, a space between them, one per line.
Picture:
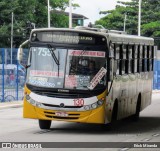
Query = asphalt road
x=14 y=128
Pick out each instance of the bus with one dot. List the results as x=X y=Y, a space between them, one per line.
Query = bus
x=60 y=86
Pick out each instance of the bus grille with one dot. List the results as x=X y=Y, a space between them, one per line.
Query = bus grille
x=71 y=116
x=50 y=105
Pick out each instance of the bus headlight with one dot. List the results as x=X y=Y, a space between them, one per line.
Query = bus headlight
x=38 y=104
x=99 y=102
x=32 y=101
x=28 y=97
x=94 y=105
x=86 y=107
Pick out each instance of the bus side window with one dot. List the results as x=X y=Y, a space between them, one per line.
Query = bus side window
x=135 y=66
x=122 y=66
x=116 y=51
x=135 y=56
x=144 y=60
x=136 y=51
x=130 y=66
x=126 y=57
x=151 y=58
x=116 y=67
x=131 y=59
x=140 y=65
x=139 y=60
x=125 y=51
x=140 y=51
x=112 y=51
x=153 y=55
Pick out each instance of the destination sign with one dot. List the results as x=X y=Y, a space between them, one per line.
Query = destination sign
x=65 y=37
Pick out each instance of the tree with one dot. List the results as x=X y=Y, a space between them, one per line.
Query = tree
x=150 y=24
x=32 y=11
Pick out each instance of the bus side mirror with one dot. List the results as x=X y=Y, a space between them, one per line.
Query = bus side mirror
x=22 y=57
x=20 y=54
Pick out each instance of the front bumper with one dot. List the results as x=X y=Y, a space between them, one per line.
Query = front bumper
x=91 y=116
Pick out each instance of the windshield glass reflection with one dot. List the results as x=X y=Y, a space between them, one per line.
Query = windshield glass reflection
x=75 y=68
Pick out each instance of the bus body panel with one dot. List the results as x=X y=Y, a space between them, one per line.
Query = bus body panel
x=93 y=116
x=124 y=89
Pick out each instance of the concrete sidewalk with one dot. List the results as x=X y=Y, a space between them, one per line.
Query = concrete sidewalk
x=13 y=104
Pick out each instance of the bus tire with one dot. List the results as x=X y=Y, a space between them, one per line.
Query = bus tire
x=135 y=117
x=114 y=112
x=44 y=124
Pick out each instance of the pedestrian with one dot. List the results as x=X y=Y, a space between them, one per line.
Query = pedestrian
x=12 y=78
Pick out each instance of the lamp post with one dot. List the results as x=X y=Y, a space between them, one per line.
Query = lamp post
x=139 y=18
x=11 y=36
x=70 y=13
x=49 y=18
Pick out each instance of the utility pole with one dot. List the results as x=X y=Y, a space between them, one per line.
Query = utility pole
x=70 y=13
x=49 y=18
x=11 y=36
x=139 y=18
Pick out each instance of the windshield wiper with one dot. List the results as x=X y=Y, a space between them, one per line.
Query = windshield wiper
x=52 y=49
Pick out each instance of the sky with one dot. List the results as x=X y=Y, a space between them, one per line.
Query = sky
x=91 y=8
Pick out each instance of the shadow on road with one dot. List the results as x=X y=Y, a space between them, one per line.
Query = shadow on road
x=126 y=126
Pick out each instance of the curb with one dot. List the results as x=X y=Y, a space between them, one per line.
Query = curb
x=155 y=91
x=14 y=104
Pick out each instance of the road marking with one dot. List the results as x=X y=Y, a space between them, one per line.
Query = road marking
x=10 y=105
x=147 y=139
x=43 y=131
x=155 y=135
x=124 y=149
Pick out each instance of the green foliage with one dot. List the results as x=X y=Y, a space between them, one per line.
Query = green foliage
x=35 y=11
x=150 y=16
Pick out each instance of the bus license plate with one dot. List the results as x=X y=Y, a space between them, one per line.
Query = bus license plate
x=62 y=114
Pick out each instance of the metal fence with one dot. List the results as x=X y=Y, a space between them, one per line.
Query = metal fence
x=156 y=81
x=12 y=76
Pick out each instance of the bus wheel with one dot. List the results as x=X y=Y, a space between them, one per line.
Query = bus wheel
x=114 y=112
x=44 y=124
x=135 y=117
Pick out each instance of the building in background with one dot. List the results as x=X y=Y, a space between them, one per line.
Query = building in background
x=77 y=19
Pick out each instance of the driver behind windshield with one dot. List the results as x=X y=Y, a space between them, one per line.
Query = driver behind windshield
x=86 y=67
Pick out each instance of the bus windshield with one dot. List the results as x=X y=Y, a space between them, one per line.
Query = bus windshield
x=76 y=68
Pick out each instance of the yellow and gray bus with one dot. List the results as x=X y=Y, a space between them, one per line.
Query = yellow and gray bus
x=61 y=86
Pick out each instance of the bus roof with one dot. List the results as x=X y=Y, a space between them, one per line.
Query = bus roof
x=111 y=35
x=131 y=39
